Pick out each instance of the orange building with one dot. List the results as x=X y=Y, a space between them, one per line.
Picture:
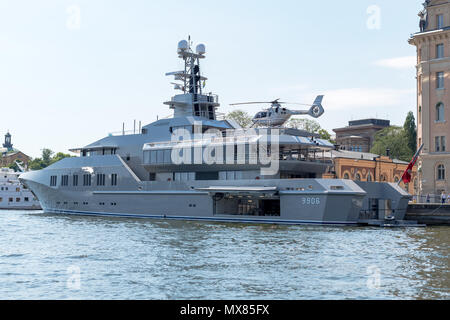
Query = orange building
x=364 y=166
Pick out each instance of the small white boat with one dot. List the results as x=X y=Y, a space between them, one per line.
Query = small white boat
x=13 y=194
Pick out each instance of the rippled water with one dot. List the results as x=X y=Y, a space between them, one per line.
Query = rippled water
x=41 y=254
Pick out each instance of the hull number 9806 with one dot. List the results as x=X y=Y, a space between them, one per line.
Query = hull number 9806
x=310 y=201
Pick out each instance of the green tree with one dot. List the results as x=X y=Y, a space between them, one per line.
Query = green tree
x=310 y=126
x=396 y=140
x=241 y=117
x=411 y=132
x=46 y=159
x=304 y=124
x=47 y=156
x=59 y=156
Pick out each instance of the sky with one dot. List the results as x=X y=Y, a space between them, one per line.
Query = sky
x=71 y=72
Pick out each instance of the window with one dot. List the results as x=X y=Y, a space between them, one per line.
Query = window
x=53 y=180
x=65 y=180
x=441 y=172
x=75 y=180
x=152 y=176
x=358 y=177
x=443 y=143
x=439 y=51
x=230 y=175
x=17 y=199
x=346 y=176
x=420 y=114
x=439 y=21
x=184 y=176
x=1 y=199
x=440 y=80
x=369 y=177
x=26 y=199
x=207 y=175
x=419 y=84
x=100 y=179
x=114 y=179
x=86 y=179
x=437 y=144
x=440 y=112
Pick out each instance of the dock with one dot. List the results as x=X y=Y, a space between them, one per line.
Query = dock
x=429 y=213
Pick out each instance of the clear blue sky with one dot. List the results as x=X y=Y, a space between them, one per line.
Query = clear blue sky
x=64 y=84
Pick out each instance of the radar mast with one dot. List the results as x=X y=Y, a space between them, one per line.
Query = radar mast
x=191 y=82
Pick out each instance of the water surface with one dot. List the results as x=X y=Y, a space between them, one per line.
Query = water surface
x=46 y=256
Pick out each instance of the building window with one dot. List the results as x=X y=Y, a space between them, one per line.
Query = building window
x=65 y=180
x=114 y=179
x=440 y=80
x=86 y=179
x=100 y=179
x=439 y=21
x=419 y=84
x=75 y=180
x=53 y=180
x=26 y=199
x=437 y=144
x=358 y=177
x=440 y=51
x=443 y=143
x=440 y=112
x=346 y=176
x=420 y=114
x=152 y=176
x=441 y=172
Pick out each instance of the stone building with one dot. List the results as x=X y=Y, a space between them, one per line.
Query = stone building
x=433 y=96
x=359 y=135
x=8 y=155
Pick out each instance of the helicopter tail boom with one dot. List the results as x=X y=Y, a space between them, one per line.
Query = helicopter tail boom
x=316 y=110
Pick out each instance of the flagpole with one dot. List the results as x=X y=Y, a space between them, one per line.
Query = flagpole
x=413 y=161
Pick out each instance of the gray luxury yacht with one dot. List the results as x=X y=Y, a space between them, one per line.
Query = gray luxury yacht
x=196 y=166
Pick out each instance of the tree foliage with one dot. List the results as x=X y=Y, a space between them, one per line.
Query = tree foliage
x=396 y=140
x=46 y=159
x=241 y=117
x=310 y=126
x=411 y=132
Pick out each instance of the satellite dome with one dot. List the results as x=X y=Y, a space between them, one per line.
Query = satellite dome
x=200 y=49
x=183 y=45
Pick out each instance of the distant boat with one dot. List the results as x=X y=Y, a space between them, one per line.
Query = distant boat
x=13 y=194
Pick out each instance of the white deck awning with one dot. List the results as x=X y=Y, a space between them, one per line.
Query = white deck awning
x=239 y=190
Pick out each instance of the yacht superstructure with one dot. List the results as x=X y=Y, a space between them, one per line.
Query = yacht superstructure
x=196 y=166
x=14 y=195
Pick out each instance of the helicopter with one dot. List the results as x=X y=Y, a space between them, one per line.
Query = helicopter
x=277 y=115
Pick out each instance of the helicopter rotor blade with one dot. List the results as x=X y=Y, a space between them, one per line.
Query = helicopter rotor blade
x=271 y=102
x=236 y=104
